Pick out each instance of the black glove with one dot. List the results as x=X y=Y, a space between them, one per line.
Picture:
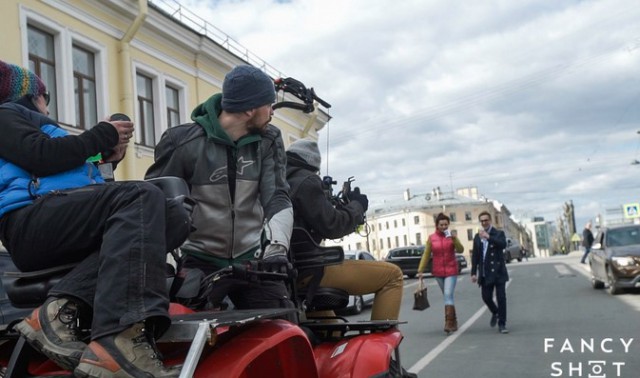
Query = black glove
x=355 y=195
x=275 y=259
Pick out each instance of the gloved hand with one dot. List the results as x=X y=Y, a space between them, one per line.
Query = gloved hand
x=274 y=259
x=355 y=195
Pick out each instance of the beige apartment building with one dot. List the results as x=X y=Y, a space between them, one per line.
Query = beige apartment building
x=412 y=220
x=152 y=60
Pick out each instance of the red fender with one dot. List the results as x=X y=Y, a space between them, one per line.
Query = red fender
x=270 y=348
x=359 y=356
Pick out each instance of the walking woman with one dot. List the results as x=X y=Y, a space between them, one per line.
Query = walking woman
x=442 y=245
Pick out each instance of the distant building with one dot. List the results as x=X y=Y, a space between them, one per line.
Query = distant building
x=412 y=220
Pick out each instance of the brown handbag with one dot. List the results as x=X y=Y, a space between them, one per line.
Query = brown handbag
x=420 y=301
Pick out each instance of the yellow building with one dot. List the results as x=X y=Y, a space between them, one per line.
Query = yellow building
x=152 y=60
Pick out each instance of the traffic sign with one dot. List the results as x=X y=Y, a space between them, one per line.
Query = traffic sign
x=632 y=210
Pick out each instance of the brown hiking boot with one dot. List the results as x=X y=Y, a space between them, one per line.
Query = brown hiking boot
x=53 y=330
x=451 y=321
x=129 y=354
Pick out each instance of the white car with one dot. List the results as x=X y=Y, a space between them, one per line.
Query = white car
x=357 y=302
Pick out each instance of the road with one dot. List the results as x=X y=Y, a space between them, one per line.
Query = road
x=559 y=327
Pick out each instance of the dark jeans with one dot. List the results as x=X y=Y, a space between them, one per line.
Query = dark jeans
x=586 y=253
x=119 y=233
x=501 y=296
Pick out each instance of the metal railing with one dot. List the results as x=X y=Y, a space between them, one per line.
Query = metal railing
x=201 y=26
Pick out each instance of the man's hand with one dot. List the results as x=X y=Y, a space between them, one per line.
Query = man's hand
x=474 y=279
x=275 y=259
x=355 y=195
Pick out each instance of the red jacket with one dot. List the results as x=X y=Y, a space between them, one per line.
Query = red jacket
x=443 y=251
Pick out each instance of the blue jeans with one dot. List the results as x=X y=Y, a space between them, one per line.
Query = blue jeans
x=447 y=286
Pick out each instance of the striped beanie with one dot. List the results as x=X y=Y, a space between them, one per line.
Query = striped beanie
x=16 y=82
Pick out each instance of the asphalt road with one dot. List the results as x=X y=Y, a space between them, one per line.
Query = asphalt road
x=559 y=327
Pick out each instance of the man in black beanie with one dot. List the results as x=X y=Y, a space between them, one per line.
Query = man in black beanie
x=234 y=163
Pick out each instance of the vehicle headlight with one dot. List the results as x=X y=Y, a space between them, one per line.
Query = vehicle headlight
x=623 y=261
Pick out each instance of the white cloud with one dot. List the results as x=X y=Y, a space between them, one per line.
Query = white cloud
x=535 y=103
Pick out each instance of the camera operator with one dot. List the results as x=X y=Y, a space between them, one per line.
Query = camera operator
x=317 y=214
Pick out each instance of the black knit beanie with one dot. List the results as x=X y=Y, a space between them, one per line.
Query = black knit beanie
x=245 y=88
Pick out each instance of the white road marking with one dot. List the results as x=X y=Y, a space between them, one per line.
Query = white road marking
x=426 y=360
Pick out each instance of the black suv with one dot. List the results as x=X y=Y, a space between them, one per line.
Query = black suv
x=408 y=259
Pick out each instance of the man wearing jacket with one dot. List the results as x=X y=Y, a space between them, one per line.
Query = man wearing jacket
x=55 y=209
x=234 y=162
x=315 y=213
x=489 y=269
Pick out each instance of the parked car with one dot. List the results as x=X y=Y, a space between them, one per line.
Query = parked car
x=513 y=251
x=615 y=258
x=8 y=313
x=357 y=302
x=408 y=259
x=462 y=262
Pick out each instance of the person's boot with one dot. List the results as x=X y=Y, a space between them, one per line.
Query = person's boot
x=450 y=323
x=131 y=353
x=454 y=322
x=53 y=330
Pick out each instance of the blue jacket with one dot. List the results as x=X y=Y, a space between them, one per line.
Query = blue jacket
x=37 y=156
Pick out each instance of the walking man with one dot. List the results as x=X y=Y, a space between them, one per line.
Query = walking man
x=587 y=241
x=489 y=270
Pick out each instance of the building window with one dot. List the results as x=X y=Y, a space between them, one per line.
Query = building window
x=405 y=240
x=358 y=245
x=453 y=217
x=42 y=62
x=145 y=109
x=467 y=216
x=173 y=106
x=416 y=220
x=84 y=85
x=418 y=239
x=381 y=243
x=373 y=245
x=404 y=223
x=387 y=224
x=395 y=224
x=469 y=234
x=373 y=227
x=380 y=226
x=389 y=242
x=397 y=241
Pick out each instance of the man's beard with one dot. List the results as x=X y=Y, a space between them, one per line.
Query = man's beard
x=259 y=130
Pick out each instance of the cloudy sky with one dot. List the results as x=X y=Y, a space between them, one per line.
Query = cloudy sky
x=533 y=102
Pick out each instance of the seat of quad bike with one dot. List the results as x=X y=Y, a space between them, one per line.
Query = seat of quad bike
x=309 y=259
x=30 y=289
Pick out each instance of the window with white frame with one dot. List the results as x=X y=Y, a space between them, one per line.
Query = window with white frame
x=172 y=95
x=145 y=110
x=42 y=61
x=84 y=86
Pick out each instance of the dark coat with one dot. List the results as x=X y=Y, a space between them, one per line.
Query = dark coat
x=587 y=238
x=496 y=268
x=313 y=211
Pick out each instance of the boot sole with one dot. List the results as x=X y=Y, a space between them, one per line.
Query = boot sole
x=65 y=358
x=85 y=370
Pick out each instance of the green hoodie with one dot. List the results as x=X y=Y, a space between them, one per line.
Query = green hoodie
x=206 y=115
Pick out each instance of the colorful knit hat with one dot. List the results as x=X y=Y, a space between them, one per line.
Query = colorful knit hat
x=16 y=82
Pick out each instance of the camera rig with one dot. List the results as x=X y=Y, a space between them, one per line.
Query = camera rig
x=299 y=90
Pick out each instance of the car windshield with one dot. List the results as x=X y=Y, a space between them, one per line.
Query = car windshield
x=623 y=236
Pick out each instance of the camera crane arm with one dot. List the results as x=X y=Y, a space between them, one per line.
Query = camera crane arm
x=299 y=90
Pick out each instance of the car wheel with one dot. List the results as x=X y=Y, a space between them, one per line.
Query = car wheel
x=519 y=259
x=613 y=287
x=596 y=284
x=411 y=275
x=358 y=304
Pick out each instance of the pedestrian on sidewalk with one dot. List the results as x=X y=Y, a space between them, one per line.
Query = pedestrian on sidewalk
x=443 y=246
x=587 y=242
